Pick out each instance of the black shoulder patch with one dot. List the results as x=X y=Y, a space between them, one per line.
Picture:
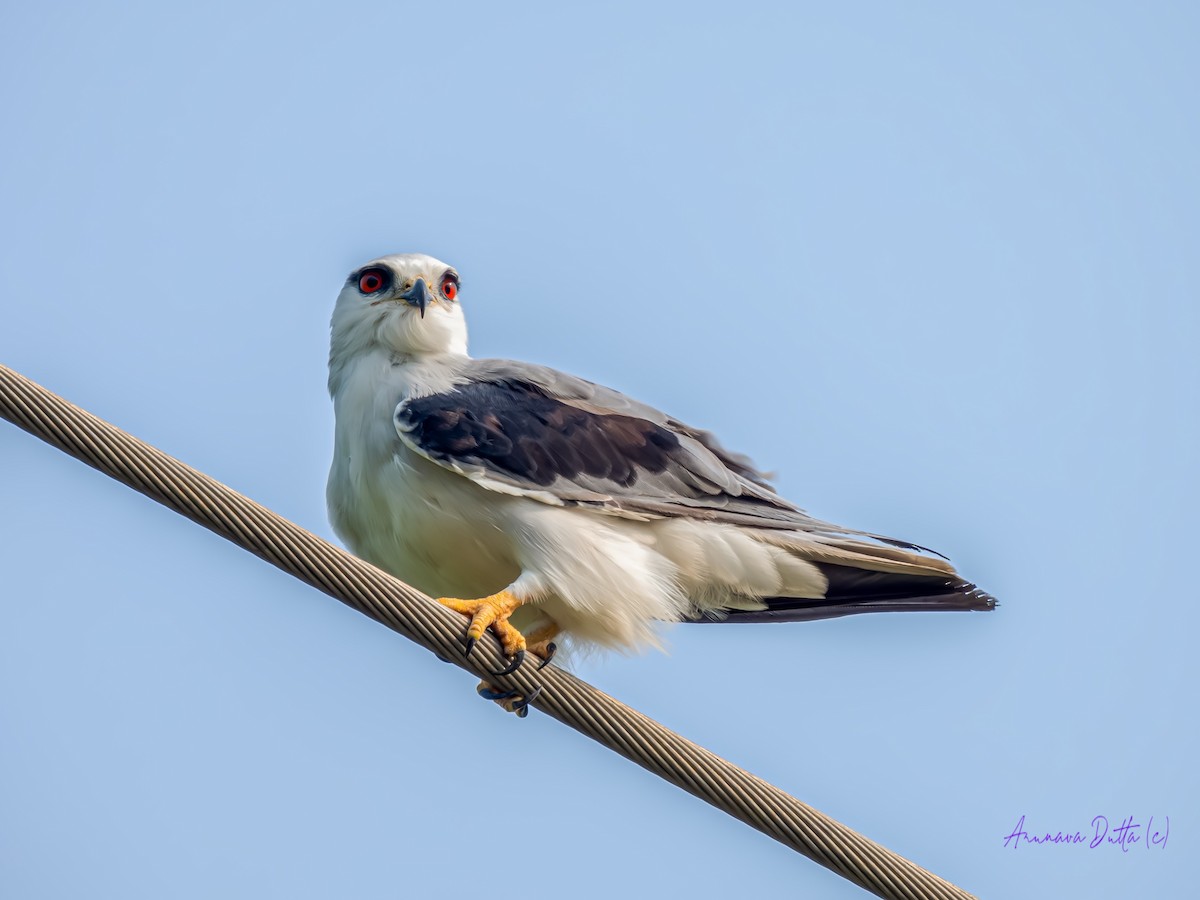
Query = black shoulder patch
x=514 y=427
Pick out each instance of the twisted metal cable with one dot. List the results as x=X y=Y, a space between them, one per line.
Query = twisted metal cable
x=374 y=593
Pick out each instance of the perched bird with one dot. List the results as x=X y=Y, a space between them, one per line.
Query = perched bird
x=542 y=504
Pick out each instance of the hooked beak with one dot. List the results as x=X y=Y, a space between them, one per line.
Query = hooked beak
x=418 y=295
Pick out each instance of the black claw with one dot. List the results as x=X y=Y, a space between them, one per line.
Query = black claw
x=470 y=645
x=522 y=708
x=514 y=665
x=442 y=658
x=488 y=694
x=551 y=649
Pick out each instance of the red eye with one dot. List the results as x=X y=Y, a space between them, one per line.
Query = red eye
x=449 y=287
x=372 y=281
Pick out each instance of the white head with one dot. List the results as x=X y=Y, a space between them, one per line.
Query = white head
x=406 y=304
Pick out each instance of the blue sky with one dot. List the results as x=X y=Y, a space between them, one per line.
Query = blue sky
x=933 y=264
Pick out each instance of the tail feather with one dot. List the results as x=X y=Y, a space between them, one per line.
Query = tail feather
x=842 y=551
x=858 y=591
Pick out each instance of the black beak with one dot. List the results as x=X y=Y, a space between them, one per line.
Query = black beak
x=417 y=295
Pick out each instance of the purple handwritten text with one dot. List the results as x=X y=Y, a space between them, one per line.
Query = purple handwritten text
x=1128 y=834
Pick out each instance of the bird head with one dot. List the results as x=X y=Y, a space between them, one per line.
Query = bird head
x=406 y=303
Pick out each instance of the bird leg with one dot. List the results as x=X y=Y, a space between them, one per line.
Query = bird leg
x=492 y=612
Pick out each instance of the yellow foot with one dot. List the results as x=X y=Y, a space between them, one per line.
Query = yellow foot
x=509 y=701
x=541 y=643
x=492 y=612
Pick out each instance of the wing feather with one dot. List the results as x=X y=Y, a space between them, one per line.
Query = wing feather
x=529 y=430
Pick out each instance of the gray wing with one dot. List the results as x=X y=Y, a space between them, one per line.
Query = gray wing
x=522 y=429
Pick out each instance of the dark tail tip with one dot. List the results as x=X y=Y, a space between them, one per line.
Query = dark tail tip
x=856 y=591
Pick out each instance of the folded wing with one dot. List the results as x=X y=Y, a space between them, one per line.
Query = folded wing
x=526 y=430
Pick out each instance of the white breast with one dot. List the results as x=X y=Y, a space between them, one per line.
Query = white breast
x=410 y=517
